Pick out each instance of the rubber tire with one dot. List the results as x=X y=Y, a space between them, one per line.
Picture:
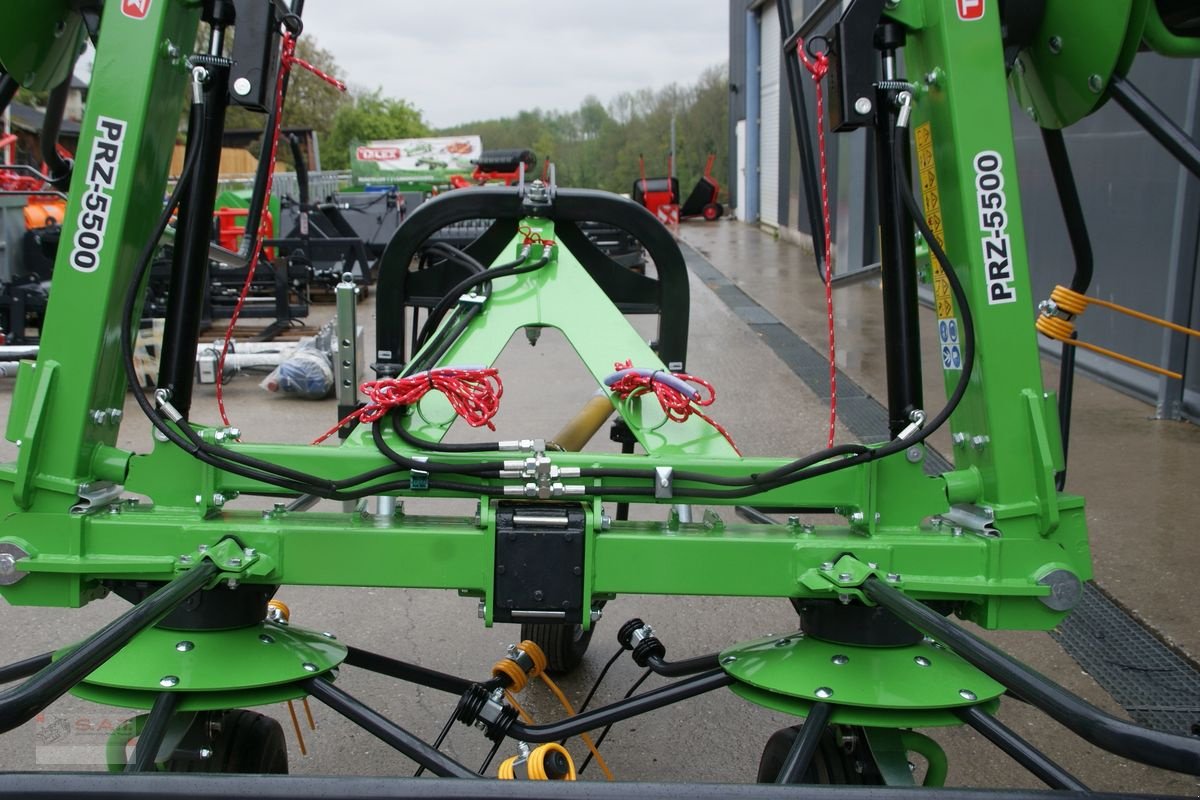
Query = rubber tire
x=831 y=764
x=712 y=211
x=247 y=743
x=564 y=644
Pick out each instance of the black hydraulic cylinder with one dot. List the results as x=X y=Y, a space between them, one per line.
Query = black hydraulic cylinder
x=19 y=704
x=805 y=747
x=899 y=273
x=193 y=235
x=386 y=730
x=1158 y=749
x=1021 y=751
x=1156 y=123
x=152 y=735
x=621 y=710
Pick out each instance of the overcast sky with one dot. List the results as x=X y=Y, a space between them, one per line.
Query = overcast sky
x=481 y=59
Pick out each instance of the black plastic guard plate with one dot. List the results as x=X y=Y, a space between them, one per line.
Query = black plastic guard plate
x=539 y=562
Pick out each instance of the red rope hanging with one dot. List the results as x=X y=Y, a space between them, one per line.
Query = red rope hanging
x=675 y=404
x=817 y=66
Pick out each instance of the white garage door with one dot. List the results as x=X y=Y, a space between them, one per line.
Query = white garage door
x=768 y=130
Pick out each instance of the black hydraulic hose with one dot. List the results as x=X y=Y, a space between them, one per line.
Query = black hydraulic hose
x=19 y=704
x=405 y=462
x=440 y=447
x=471 y=281
x=8 y=89
x=1158 y=749
x=444 y=339
x=687 y=666
x=624 y=709
x=24 y=668
x=151 y=737
x=387 y=731
x=57 y=168
x=1020 y=750
x=1081 y=279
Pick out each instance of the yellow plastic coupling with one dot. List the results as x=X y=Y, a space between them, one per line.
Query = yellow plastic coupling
x=548 y=762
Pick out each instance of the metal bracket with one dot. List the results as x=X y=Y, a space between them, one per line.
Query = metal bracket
x=977 y=519
x=96 y=496
x=664 y=483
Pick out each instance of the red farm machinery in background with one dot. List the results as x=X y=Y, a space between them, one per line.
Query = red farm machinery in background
x=660 y=196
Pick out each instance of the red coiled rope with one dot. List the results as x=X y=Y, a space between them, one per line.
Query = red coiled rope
x=286 y=59
x=474 y=394
x=674 y=404
x=817 y=66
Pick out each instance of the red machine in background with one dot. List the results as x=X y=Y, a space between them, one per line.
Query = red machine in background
x=660 y=196
x=497 y=166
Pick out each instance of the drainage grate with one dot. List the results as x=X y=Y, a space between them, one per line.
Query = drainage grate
x=1158 y=688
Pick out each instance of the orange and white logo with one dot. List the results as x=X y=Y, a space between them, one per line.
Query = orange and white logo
x=379 y=153
x=970 y=9
x=135 y=9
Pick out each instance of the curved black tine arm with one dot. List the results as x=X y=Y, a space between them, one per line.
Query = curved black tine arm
x=393 y=668
x=1158 y=749
x=387 y=731
x=805 y=747
x=598 y=718
x=1021 y=751
x=24 y=668
x=151 y=737
x=686 y=666
x=19 y=704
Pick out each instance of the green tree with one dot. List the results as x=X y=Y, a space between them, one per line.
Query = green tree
x=367 y=117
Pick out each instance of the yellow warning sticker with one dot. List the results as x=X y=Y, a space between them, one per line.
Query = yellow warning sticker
x=933 y=216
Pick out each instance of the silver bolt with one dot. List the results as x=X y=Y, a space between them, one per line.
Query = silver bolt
x=793 y=519
x=931 y=78
x=844 y=599
x=605 y=521
x=115 y=415
x=218 y=499
x=728 y=659
x=266 y=638
x=199 y=499
x=185 y=559
x=99 y=416
x=8 y=564
x=1055 y=44
x=203 y=548
x=328 y=635
x=784 y=642
x=863 y=105
x=1095 y=83
x=309 y=666
x=482 y=610
x=231 y=583
x=18 y=442
x=893 y=577
x=967 y=694
x=823 y=692
x=596 y=615
x=251 y=552
x=826 y=566
x=857 y=518
x=979 y=442
x=872 y=565
x=959 y=438
x=913 y=454
x=840 y=660
x=168 y=681
x=241 y=87
x=235 y=562
x=921 y=661
x=844 y=577
x=184 y=646
x=205 y=753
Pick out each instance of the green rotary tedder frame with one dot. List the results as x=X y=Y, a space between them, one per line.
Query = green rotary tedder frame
x=993 y=540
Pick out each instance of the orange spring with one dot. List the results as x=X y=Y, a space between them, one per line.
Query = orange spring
x=280 y=608
x=518 y=678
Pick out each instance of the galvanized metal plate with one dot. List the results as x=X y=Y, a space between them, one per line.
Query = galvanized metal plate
x=924 y=675
x=261 y=655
